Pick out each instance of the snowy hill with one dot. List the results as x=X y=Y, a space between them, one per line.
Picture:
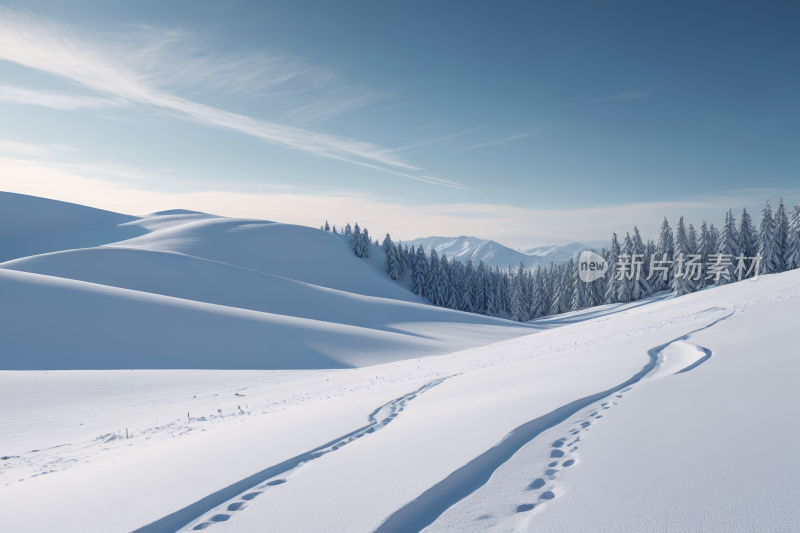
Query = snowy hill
x=30 y=225
x=495 y=254
x=193 y=290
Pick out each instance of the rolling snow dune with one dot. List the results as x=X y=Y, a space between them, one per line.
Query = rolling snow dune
x=202 y=280
x=294 y=252
x=55 y=323
x=30 y=225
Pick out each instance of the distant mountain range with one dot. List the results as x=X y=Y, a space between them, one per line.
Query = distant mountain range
x=495 y=254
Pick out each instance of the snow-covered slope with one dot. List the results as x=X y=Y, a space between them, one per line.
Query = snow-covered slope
x=234 y=302
x=30 y=225
x=294 y=252
x=550 y=422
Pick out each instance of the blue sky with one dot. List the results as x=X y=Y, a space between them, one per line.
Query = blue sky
x=530 y=123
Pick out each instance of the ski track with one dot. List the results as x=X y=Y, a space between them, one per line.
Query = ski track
x=217 y=507
x=426 y=509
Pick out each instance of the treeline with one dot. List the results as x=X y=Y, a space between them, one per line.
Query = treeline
x=684 y=261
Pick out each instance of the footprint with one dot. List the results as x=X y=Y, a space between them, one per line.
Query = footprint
x=220 y=517
x=235 y=506
x=525 y=507
x=547 y=495
x=556 y=453
x=550 y=471
x=568 y=463
x=586 y=424
x=554 y=463
x=250 y=495
x=484 y=517
x=599 y=416
x=559 y=443
x=201 y=526
x=538 y=483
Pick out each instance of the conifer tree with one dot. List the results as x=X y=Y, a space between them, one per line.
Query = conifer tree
x=612 y=286
x=766 y=242
x=727 y=245
x=666 y=246
x=479 y=288
x=580 y=291
x=355 y=240
x=334 y=229
x=624 y=291
x=518 y=311
x=347 y=230
x=537 y=302
x=681 y=282
x=793 y=241
x=640 y=288
x=422 y=272
x=364 y=243
x=468 y=298
x=748 y=238
x=713 y=238
x=781 y=235
x=692 y=237
x=327 y=227
x=412 y=271
x=703 y=250
x=443 y=289
x=432 y=280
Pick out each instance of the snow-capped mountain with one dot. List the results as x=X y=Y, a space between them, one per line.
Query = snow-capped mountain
x=495 y=254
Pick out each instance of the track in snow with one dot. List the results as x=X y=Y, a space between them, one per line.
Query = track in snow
x=234 y=497
x=430 y=505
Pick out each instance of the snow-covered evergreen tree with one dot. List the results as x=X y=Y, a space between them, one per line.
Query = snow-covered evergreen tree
x=538 y=308
x=666 y=245
x=444 y=288
x=364 y=242
x=713 y=238
x=412 y=271
x=394 y=264
x=518 y=311
x=580 y=291
x=456 y=284
x=727 y=245
x=613 y=283
x=640 y=287
x=422 y=272
x=766 y=242
x=793 y=242
x=681 y=282
x=334 y=229
x=327 y=227
x=781 y=235
x=355 y=240
x=748 y=237
x=468 y=289
x=479 y=288
x=692 y=237
x=703 y=250
x=432 y=280
x=624 y=292
x=347 y=230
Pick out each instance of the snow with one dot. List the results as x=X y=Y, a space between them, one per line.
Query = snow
x=268 y=379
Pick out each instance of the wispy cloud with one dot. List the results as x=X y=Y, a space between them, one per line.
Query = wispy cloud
x=18 y=95
x=142 y=70
x=15 y=147
x=623 y=96
x=515 y=137
x=440 y=139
